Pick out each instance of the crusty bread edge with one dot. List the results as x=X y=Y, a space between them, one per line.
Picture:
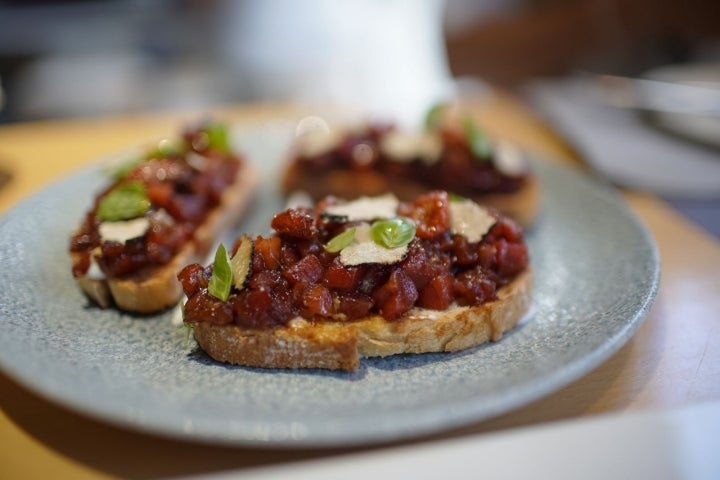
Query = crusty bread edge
x=339 y=345
x=156 y=289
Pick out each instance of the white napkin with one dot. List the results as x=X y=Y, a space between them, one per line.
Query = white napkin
x=663 y=445
x=629 y=152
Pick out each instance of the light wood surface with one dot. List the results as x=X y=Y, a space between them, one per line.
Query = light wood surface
x=673 y=360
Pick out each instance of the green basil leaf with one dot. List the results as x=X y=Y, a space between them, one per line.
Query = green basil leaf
x=221 y=279
x=218 y=137
x=480 y=144
x=455 y=198
x=166 y=148
x=433 y=117
x=340 y=241
x=125 y=202
x=393 y=232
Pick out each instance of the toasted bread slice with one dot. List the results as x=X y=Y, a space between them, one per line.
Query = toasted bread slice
x=154 y=289
x=370 y=277
x=339 y=345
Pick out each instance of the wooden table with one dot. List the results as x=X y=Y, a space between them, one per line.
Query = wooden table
x=672 y=361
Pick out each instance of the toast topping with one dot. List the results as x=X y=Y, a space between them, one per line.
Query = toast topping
x=155 y=203
x=458 y=157
x=126 y=201
x=124 y=230
x=406 y=147
x=365 y=208
x=341 y=240
x=323 y=267
x=241 y=262
x=365 y=249
x=480 y=144
x=314 y=137
x=470 y=220
x=509 y=159
x=221 y=281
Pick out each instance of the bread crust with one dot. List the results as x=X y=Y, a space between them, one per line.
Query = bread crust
x=339 y=345
x=522 y=206
x=155 y=289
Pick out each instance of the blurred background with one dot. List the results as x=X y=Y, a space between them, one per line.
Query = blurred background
x=94 y=57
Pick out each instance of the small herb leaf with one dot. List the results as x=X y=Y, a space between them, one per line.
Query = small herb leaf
x=218 y=137
x=433 y=117
x=393 y=232
x=340 y=241
x=241 y=262
x=221 y=279
x=165 y=148
x=454 y=197
x=480 y=144
x=125 y=202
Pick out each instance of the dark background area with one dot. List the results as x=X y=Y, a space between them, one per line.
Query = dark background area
x=552 y=37
x=96 y=57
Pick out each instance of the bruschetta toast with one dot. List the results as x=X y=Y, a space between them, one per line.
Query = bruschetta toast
x=370 y=277
x=454 y=155
x=159 y=212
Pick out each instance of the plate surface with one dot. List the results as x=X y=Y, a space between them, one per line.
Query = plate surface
x=597 y=273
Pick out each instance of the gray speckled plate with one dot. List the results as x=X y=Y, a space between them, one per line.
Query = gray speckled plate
x=597 y=274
